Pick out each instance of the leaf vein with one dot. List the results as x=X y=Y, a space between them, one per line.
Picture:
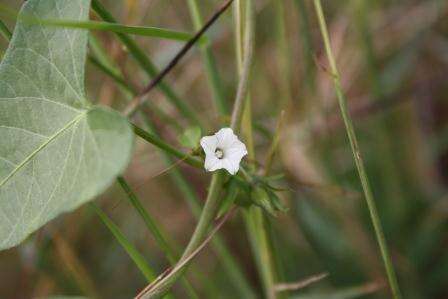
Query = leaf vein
x=42 y=146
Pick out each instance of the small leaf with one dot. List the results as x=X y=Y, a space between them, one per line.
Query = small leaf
x=276 y=202
x=56 y=150
x=265 y=198
x=190 y=137
x=275 y=177
x=261 y=198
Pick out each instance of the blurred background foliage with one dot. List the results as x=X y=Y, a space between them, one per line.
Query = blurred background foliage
x=393 y=58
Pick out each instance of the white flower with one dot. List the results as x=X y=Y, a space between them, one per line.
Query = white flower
x=223 y=150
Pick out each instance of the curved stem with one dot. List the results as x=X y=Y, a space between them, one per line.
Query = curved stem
x=357 y=155
x=156 y=232
x=212 y=202
x=210 y=208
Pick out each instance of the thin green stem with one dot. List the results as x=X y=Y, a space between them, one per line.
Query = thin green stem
x=253 y=217
x=230 y=265
x=241 y=99
x=307 y=48
x=386 y=161
x=118 y=79
x=133 y=253
x=156 y=231
x=101 y=26
x=139 y=55
x=209 y=62
x=283 y=55
x=357 y=154
x=148 y=220
x=208 y=213
x=153 y=139
x=4 y=31
x=270 y=237
x=103 y=62
x=274 y=144
x=259 y=242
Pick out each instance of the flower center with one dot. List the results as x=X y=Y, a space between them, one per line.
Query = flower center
x=219 y=153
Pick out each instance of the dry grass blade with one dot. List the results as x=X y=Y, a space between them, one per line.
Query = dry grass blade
x=147 y=292
x=140 y=98
x=294 y=286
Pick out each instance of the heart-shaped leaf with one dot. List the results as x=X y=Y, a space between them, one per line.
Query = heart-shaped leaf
x=57 y=151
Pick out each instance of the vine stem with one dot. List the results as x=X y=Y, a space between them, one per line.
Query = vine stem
x=212 y=202
x=253 y=217
x=393 y=283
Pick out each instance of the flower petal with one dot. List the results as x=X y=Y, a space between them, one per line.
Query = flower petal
x=209 y=144
x=225 y=138
x=232 y=166
x=238 y=149
x=212 y=163
x=233 y=151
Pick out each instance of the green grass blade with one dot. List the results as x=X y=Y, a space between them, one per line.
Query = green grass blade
x=357 y=154
x=253 y=218
x=119 y=28
x=283 y=56
x=209 y=62
x=103 y=62
x=118 y=79
x=156 y=231
x=133 y=253
x=139 y=55
x=4 y=31
x=258 y=239
x=151 y=138
x=307 y=45
x=103 y=26
x=384 y=144
x=148 y=220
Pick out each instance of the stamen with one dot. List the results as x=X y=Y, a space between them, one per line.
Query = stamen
x=219 y=153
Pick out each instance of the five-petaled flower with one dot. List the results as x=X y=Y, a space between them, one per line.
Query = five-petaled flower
x=223 y=151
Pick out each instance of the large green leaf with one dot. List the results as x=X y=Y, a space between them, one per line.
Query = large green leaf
x=57 y=151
